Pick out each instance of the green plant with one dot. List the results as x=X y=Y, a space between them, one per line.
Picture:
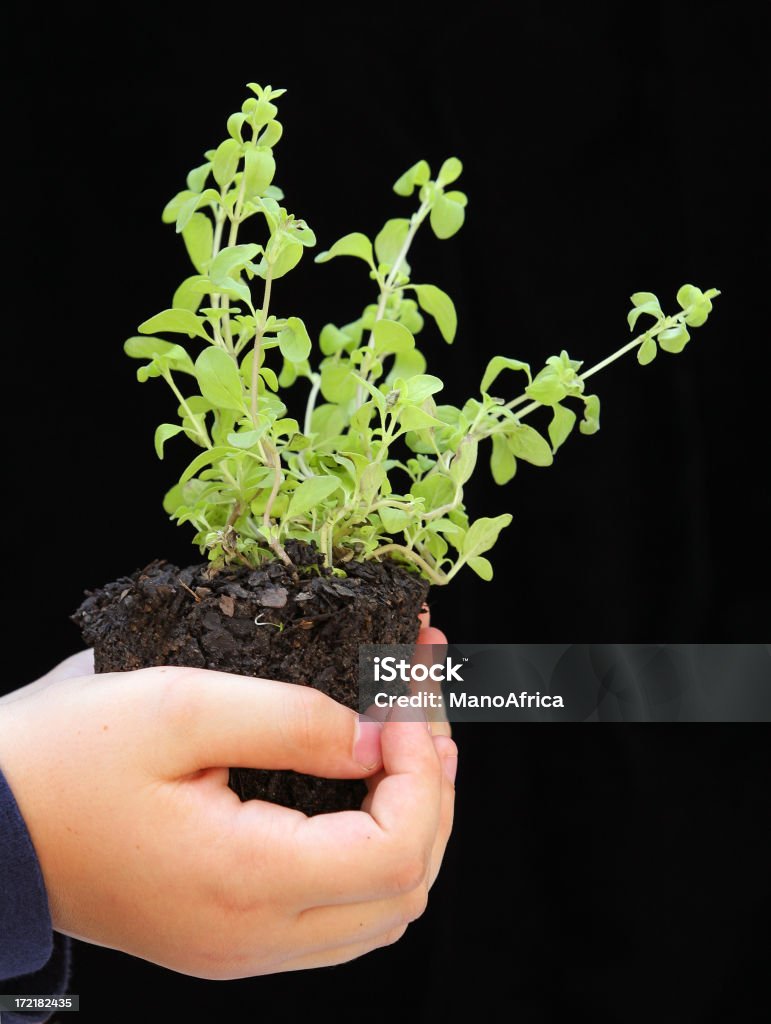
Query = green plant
x=377 y=466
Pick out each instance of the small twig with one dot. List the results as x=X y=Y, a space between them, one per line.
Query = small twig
x=192 y=593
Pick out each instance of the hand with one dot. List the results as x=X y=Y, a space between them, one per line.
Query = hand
x=122 y=781
x=429 y=635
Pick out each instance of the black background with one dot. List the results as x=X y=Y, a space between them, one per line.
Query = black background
x=607 y=149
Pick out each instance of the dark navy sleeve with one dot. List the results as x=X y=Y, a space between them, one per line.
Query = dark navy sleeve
x=33 y=960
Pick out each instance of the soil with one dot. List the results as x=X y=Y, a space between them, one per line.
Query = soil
x=300 y=624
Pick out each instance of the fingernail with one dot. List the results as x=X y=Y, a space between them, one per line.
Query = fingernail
x=366 y=746
x=450 y=765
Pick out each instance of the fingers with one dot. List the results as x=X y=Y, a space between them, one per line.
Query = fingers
x=431 y=635
x=404 y=877
x=341 y=954
x=448 y=754
x=212 y=719
x=383 y=851
x=406 y=800
x=80 y=664
x=360 y=923
x=431 y=649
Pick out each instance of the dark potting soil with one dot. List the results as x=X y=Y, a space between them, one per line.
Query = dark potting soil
x=300 y=624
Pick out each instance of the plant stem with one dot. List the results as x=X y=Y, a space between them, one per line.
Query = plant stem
x=415 y=221
x=219 y=224
x=310 y=406
x=387 y=287
x=200 y=429
x=235 y=512
x=630 y=346
x=259 y=334
x=436 y=577
x=275 y=463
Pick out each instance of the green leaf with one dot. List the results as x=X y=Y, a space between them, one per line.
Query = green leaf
x=232 y=258
x=293 y=340
x=646 y=353
x=674 y=339
x=422 y=386
x=458 y=197
x=263 y=112
x=652 y=308
x=289 y=255
x=175 y=358
x=412 y=417
x=391 y=337
x=188 y=206
x=482 y=567
x=287 y=426
x=271 y=134
x=394 y=519
x=439 y=305
x=527 y=444
x=204 y=459
x=547 y=388
x=446 y=217
x=173 y=499
x=176 y=321
x=689 y=295
x=697 y=304
x=162 y=435
x=417 y=175
x=450 y=171
x=355 y=244
x=377 y=395
x=496 y=365
x=435 y=490
x=234 y=126
x=644 y=299
x=225 y=162
x=390 y=240
x=247 y=439
x=148 y=348
x=463 y=462
x=310 y=494
x=172 y=208
x=483 y=534
x=338 y=383
x=219 y=380
x=269 y=376
x=698 y=315
x=590 y=424
x=562 y=423
x=333 y=340
x=198 y=236
x=407 y=365
x=503 y=465
x=370 y=481
x=259 y=169
x=328 y=421
x=196 y=179
x=190 y=293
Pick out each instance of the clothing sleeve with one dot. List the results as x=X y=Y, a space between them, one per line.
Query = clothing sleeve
x=33 y=960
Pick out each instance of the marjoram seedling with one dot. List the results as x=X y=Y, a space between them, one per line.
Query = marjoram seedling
x=378 y=465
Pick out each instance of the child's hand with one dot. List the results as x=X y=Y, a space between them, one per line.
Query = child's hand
x=122 y=781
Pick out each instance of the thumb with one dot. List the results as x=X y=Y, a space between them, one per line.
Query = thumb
x=217 y=720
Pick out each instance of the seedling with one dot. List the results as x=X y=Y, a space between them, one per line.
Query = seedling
x=378 y=464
